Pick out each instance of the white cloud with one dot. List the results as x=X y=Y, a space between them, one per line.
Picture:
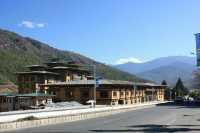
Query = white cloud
x=40 y=25
x=126 y=60
x=27 y=24
x=31 y=25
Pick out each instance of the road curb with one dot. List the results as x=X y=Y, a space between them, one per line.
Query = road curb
x=70 y=118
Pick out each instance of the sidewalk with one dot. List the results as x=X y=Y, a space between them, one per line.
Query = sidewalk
x=42 y=114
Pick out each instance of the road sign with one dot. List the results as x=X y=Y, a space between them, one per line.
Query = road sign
x=97 y=81
x=198 y=48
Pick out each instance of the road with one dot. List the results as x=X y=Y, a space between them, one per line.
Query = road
x=162 y=118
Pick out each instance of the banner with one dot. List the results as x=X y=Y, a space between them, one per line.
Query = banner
x=198 y=48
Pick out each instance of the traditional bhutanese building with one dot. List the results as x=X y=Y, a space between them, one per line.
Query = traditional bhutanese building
x=109 y=92
x=28 y=81
x=73 y=82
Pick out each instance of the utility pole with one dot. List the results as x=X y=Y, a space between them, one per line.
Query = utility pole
x=92 y=67
x=134 y=86
x=94 y=72
x=152 y=94
x=170 y=93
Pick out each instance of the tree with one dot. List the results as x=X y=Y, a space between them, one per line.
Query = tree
x=164 y=82
x=179 y=89
x=167 y=90
x=195 y=93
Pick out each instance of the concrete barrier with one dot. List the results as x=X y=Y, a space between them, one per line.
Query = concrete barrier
x=68 y=118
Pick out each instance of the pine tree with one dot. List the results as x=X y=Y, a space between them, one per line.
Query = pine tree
x=179 y=89
x=164 y=82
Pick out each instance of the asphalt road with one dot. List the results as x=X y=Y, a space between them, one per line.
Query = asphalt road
x=162 y=118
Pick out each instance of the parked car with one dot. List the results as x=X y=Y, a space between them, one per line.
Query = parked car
x=92 y=103
x=179 y=100
x=197 y=100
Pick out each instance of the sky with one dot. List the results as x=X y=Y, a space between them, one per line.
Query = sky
x=109 y=31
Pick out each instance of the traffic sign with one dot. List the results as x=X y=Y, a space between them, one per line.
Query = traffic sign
x=98 y=81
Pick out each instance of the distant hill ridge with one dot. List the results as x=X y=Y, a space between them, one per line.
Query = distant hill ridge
x=168 y=68
x=156 y=63
x=17 y=51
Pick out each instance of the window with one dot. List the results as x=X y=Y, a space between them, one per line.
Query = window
x=71 y=93
x=27 y=85
x=127 y=93
x=104 y=94
x=4 y=100
x=10 y=100
x=121 y=93
x=114 y=93
x=68 y=93
x=19 y=78
x=40 y=79
x=26 y=79
x=32 y=79
x=54 y=92
x=20 y=86
x=85 y=94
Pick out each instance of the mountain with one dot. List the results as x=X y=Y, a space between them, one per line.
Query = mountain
x=170 y=73
x=168 y=68
x=193 y=83
x=17 y=51
x=156 y=63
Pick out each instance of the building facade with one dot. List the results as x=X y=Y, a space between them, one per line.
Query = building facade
x=72 y=82
x=60 y=82
x=109 y=92
x=11 y=102
x=51 y=72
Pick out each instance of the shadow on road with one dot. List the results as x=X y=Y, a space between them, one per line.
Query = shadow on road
x=156 y=128
x=180 y=105
x=148 y=128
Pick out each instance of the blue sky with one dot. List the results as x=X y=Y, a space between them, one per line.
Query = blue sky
x=107 y=30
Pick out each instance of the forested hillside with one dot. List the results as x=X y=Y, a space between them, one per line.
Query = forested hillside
x=17 y=51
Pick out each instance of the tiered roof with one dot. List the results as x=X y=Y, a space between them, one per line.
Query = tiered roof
x=26 y=95
x=37 y=73
x=52 y=67
x=103 y=82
